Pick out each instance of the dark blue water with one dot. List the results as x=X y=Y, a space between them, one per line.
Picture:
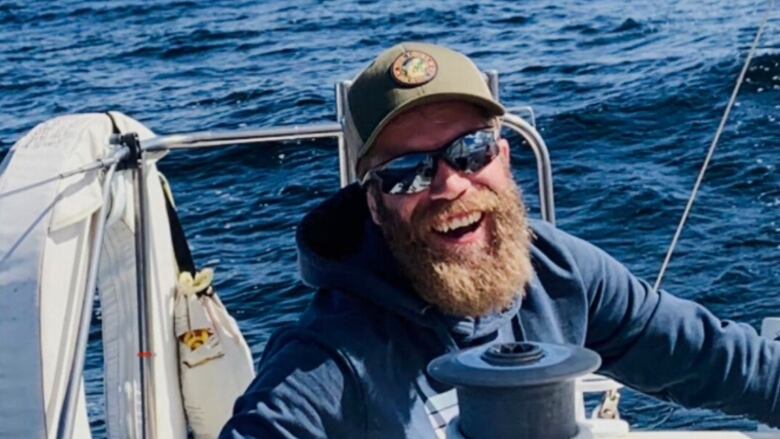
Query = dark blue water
x=628 y=97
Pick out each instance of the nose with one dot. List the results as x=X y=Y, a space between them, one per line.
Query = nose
x=448 y=184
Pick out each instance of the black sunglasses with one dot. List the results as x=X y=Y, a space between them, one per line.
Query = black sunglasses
x=413 y=173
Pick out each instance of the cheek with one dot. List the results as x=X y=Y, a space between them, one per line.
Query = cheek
x=495 y=176
x=404 y=206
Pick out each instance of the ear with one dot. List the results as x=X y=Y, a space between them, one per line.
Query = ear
x=371 y=194
x=503 y=150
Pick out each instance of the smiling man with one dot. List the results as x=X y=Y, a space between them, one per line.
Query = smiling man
x=433 y=252
x=459 y=235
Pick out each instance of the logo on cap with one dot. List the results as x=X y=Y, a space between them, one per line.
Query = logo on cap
x=413 y=68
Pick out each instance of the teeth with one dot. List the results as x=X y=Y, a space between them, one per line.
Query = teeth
x=458 y=222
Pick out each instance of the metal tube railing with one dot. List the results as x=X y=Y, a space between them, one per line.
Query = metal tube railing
x=491 y=77
x=346 y=173
x=292 y=133
x=229 y=138
x=68 y=411
x=142 y=291
x=543 y=164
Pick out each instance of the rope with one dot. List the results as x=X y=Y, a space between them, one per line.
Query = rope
x=711 y=150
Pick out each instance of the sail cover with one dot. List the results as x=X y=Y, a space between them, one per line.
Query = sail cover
x=46 y=227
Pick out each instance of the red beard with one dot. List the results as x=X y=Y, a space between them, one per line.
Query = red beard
x=475 y=280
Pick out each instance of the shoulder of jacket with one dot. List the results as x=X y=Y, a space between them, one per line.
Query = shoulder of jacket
x=339 y=324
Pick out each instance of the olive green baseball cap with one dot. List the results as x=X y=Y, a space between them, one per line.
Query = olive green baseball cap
x=403 y=77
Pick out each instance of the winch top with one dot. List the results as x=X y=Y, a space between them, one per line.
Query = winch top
x=514 y=364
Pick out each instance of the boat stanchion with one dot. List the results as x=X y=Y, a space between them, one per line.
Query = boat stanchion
x=135 y=161
x=142 y=279
x=346 y=161
x=515 y=390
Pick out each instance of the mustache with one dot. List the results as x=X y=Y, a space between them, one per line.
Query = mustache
x=482 y=200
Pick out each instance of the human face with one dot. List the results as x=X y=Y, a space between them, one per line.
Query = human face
x=462 y=242
x=428 y=128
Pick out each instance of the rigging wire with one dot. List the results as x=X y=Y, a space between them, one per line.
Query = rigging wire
x=718 y=132
x=97 y=164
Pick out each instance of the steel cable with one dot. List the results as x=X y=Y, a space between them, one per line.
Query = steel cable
x=713 y=145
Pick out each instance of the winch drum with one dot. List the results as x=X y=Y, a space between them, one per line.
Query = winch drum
x=515 y=390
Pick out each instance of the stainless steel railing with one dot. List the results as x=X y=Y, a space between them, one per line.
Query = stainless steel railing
x=543 y=164
x=209 y=139
x=333 y=130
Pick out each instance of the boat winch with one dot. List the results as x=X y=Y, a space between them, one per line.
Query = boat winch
x=515 y=390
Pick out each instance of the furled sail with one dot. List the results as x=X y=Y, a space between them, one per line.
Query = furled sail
x=47 y=224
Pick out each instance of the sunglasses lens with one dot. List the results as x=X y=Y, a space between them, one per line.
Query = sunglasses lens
x=408 y=174
x=473 y=152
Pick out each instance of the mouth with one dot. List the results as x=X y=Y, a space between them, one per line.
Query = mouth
x=460 y=229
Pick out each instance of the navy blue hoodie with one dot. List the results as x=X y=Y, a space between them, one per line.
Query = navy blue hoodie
x=354 y=365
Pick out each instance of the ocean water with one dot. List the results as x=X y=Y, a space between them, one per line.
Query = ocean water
x=627 y=95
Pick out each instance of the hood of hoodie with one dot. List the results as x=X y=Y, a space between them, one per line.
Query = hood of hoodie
x=339 y=247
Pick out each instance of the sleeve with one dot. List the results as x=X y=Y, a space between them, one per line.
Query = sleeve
x=301 y=391
x=675 y=349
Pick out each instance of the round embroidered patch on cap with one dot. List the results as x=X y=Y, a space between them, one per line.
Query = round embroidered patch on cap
x=413 y=68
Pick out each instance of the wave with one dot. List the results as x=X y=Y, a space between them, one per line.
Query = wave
x=195 y=42
x=14 y=13
x=764 y=73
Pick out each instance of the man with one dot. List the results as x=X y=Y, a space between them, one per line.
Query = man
x=433 y=252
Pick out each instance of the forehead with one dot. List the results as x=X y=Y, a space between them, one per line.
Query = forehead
x=427 y=127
